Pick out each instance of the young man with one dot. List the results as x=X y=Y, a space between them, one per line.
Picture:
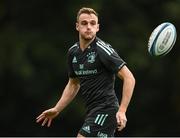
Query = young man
x=92 y=66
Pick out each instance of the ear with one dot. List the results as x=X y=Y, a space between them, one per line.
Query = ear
x=77 y=26
x=97 y=27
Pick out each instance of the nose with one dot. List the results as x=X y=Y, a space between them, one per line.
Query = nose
x=89 y=26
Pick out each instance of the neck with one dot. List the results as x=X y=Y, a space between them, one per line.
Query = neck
x=84 y=43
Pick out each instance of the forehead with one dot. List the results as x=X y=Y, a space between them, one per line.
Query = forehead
x=87 y=17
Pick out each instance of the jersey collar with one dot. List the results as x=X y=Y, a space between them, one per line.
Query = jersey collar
x=92 y=44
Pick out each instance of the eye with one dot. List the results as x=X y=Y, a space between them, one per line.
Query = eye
x=84 y=23
x=93 y=22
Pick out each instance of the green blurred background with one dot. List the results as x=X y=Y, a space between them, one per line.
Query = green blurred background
x=34 y=38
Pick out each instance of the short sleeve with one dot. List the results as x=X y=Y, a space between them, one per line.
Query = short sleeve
x=109 y=57
x=71 y=73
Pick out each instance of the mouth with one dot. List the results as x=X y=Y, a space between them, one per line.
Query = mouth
x=88 y=32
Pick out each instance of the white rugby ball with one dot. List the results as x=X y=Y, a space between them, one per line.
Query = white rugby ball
x=162 y=39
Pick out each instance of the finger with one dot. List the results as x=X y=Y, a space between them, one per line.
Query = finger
x=40 y=119
x=40 y=116
x=120 y=128
x=122 y=125
x=49 y=122
x=44 y=122
x=118 y=120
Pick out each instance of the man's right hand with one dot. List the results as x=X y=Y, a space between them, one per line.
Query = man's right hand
x=47 y=116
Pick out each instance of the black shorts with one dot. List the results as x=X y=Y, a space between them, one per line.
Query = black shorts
x=101 y=123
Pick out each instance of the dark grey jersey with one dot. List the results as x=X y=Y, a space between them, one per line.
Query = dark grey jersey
x=95 y=67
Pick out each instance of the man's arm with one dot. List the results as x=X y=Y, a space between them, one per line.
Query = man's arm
x=68 y=95
x=128 y=88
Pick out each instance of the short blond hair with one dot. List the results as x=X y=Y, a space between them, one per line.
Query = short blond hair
x=87 y=11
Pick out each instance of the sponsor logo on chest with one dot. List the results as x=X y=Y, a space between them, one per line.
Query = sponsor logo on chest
x=86 y=68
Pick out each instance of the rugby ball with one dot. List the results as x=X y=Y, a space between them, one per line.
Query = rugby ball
x=162 y=39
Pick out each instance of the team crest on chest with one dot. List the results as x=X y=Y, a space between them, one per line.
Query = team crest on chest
x=91 y=57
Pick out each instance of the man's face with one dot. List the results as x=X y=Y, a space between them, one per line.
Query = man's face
x=87 y=26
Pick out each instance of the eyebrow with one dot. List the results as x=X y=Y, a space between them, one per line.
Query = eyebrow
x=90 y=20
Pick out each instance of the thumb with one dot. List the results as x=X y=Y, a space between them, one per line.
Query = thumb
x=117 y=117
